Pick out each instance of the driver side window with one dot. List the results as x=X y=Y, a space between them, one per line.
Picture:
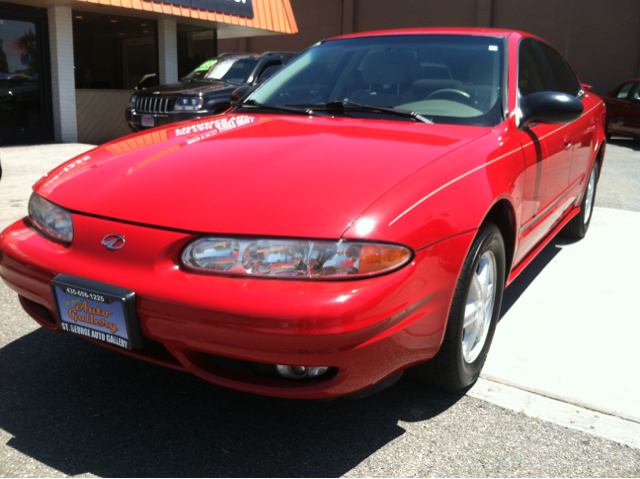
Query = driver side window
x=532 y=76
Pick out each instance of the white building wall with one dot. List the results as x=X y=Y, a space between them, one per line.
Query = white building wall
x=63 y=88
x=167 y=51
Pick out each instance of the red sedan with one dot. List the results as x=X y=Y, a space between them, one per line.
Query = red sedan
x=623 y=110
x=357 y=215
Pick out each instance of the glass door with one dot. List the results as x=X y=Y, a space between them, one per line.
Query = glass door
x=22 y=112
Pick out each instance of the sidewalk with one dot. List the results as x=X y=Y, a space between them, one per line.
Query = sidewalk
x=571 y=322
x=570 y=328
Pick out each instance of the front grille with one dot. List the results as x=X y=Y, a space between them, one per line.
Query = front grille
x=150 y=104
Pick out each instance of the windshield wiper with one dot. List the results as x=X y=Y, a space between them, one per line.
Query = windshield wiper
x=262 y=106
x=342 y=106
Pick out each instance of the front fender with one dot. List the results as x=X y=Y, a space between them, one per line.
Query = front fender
x=448 y=197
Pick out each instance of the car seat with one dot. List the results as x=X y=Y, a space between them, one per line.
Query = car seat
x=388 y=76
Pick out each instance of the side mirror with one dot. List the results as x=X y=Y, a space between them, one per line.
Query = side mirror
x=241 y=92
x=549 y=107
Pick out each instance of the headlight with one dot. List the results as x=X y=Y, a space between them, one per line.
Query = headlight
x=301 y=259
x=132 y=102
x=189 y=103
x=50 y=219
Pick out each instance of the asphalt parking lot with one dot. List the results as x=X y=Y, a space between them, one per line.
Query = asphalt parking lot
x=69 y=407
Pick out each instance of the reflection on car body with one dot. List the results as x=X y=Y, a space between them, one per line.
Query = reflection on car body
x=623 y=109
x=204 y=92
x=355 y=216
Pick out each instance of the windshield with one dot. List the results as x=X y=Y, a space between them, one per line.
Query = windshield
x=235 y=69
x=445 y=78
x=200 y=72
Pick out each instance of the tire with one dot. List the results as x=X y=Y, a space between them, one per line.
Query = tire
x=577 y=228
x=456 y=366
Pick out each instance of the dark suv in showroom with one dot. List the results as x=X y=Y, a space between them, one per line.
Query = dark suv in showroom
x=204 y=92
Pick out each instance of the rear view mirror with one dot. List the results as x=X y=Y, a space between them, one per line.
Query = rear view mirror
x=549 y=107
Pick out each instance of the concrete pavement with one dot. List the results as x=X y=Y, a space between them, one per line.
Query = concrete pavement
x=570 y=324
x=22 y=166
x=619 y=185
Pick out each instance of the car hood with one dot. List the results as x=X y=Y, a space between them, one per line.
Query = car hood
x=189 y=88
x=251 y=174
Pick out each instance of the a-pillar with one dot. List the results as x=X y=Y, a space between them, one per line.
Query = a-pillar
x=167 y=51
x=63 y=84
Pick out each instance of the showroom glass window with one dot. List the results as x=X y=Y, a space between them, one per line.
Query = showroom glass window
x=113 y=52
x=196 y=45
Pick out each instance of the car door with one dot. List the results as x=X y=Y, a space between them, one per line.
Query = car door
x=616 y=103
x=631 y=114
x=580 y=133
x=547 y=156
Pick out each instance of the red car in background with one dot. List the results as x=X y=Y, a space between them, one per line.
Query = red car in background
x=352 y=218
x=623 y=110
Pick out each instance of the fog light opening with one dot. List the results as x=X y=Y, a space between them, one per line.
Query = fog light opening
x=301 y=372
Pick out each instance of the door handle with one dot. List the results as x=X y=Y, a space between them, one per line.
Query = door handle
x=567 y=141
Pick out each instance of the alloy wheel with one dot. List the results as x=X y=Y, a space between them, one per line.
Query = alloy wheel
x=591 y=189
x=479 y=307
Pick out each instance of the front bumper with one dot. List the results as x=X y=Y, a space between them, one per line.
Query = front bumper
x=367 y=330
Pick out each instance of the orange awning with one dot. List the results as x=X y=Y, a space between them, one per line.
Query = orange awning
x=269 y=15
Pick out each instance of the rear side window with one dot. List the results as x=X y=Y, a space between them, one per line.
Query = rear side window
x=564 y=79
x=532 y=76
x=622 y=92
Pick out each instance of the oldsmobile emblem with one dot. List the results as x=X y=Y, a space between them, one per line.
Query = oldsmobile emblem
x=113 y=241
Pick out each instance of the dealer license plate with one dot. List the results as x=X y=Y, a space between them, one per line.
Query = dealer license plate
x=148 y=121
x=95 y=310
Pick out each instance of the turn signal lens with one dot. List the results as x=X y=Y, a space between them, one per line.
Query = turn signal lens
x=377 y=257
x=300 y=259
x=50 y=219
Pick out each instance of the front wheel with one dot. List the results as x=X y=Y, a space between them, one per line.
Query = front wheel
x=579 y=225
x=473 y=316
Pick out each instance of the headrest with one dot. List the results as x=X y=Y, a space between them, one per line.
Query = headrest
x=481 y=72
x=384 y=68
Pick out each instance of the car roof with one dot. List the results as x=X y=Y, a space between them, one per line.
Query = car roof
x=490 y=32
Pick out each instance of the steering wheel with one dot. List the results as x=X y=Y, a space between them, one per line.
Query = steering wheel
x=445 y=92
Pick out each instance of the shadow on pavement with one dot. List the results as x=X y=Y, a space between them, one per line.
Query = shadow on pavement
x=531 y=272
x=629 y=143
x=80 y=408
